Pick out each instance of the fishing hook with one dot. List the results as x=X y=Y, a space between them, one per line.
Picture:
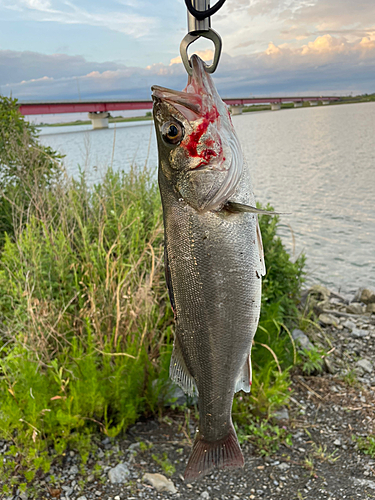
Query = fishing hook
x=190 y=38
x=199 y=25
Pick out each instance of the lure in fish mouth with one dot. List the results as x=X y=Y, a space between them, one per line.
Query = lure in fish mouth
x=213 y=259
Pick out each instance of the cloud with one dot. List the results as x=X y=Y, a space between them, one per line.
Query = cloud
x=127 y=22
x=16 y=66
x=206 y=55
x=245 y=44
x=328 y=63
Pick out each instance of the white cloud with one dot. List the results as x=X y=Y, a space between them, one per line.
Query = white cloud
x=42 y=5
x=327 y=63
x=126 y=22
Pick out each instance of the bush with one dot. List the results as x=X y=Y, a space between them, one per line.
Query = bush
x=274 y=351
x=26 y=167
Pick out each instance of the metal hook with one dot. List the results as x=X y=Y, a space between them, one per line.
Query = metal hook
x=190 y=38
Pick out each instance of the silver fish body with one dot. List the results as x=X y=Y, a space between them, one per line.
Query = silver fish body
x=214 y=260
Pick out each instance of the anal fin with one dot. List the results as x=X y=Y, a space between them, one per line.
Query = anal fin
x=243 y=382
x=179 y=373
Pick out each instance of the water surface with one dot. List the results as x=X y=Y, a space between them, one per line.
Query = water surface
x=316 y=163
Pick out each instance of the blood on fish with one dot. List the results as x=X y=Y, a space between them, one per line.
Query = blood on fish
x=194 y=138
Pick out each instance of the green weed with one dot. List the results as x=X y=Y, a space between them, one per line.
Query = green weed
x=351 y=378
x=366 y=444
x=266 y=437
x=168 y=468
x=312 y=360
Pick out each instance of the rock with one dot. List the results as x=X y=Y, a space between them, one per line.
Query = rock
x=82 y=498
x=283 y=466
x=73 y=470
x=329 y=366
x=23 y=496
x=349 y=324
x=365 y=364
x=337 y=442
x=302 y=339
x=365 y=295
x=366 y=483
x=311 y=297
x=358 y=333
x=133 y=448
x=355 y=308
x=159 y=482
x=118 y=474
x=328 y=319
x=321 y=306
x=205 y=495
x=319 y=292
x=68 y=490
x=281 y=414
x=370 y=308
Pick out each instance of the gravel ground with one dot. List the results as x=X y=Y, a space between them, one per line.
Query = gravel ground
x=323 y=414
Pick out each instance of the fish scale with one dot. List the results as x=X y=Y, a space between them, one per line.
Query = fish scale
x=213 y=260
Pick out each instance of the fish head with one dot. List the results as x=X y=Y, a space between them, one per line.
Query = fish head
x=199 y=152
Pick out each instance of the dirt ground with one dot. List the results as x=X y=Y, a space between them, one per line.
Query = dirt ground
x=323 y=462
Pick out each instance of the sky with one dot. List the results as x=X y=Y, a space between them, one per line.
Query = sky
x=85 y=49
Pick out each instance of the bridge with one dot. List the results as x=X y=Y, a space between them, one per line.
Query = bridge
x=99 y=110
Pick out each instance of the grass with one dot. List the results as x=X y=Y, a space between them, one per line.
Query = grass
x=115 y=119
x=366 y=444
x=86 y=328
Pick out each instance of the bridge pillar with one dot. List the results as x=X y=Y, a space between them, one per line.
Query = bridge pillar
x=275 y=106
x=313 y=103
x=99 y=120
x=236 y=109
x=298 y=104
x=325 y=103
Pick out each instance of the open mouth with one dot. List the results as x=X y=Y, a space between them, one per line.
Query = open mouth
x=187 y=103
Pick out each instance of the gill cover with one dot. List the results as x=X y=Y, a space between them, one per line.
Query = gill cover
x=205 y=166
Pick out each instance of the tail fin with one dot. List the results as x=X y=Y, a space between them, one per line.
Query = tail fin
x=206 y=455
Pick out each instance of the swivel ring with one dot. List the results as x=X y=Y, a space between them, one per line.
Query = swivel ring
x=190 y=38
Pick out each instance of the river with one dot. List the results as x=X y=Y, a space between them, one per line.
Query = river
x=317 y=164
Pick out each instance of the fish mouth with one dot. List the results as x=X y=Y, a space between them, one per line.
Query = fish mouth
x=188 y=101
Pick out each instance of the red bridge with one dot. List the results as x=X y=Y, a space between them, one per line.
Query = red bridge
x=99 y=110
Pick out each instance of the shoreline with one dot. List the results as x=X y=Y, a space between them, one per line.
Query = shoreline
x=246 y=109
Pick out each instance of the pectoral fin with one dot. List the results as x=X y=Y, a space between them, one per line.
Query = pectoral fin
x=169 y=280
x=233 y=206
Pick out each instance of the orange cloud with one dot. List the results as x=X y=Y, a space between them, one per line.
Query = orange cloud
x=206 y=55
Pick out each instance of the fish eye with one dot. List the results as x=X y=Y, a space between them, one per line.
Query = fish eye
x=172 y=132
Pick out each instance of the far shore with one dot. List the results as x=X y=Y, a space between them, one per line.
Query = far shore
x=246 y=109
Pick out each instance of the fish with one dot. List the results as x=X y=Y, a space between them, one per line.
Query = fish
x=214 y=259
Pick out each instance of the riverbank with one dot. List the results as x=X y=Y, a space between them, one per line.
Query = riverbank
x=246 y=109
x=320 y=446
x=112 y=119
